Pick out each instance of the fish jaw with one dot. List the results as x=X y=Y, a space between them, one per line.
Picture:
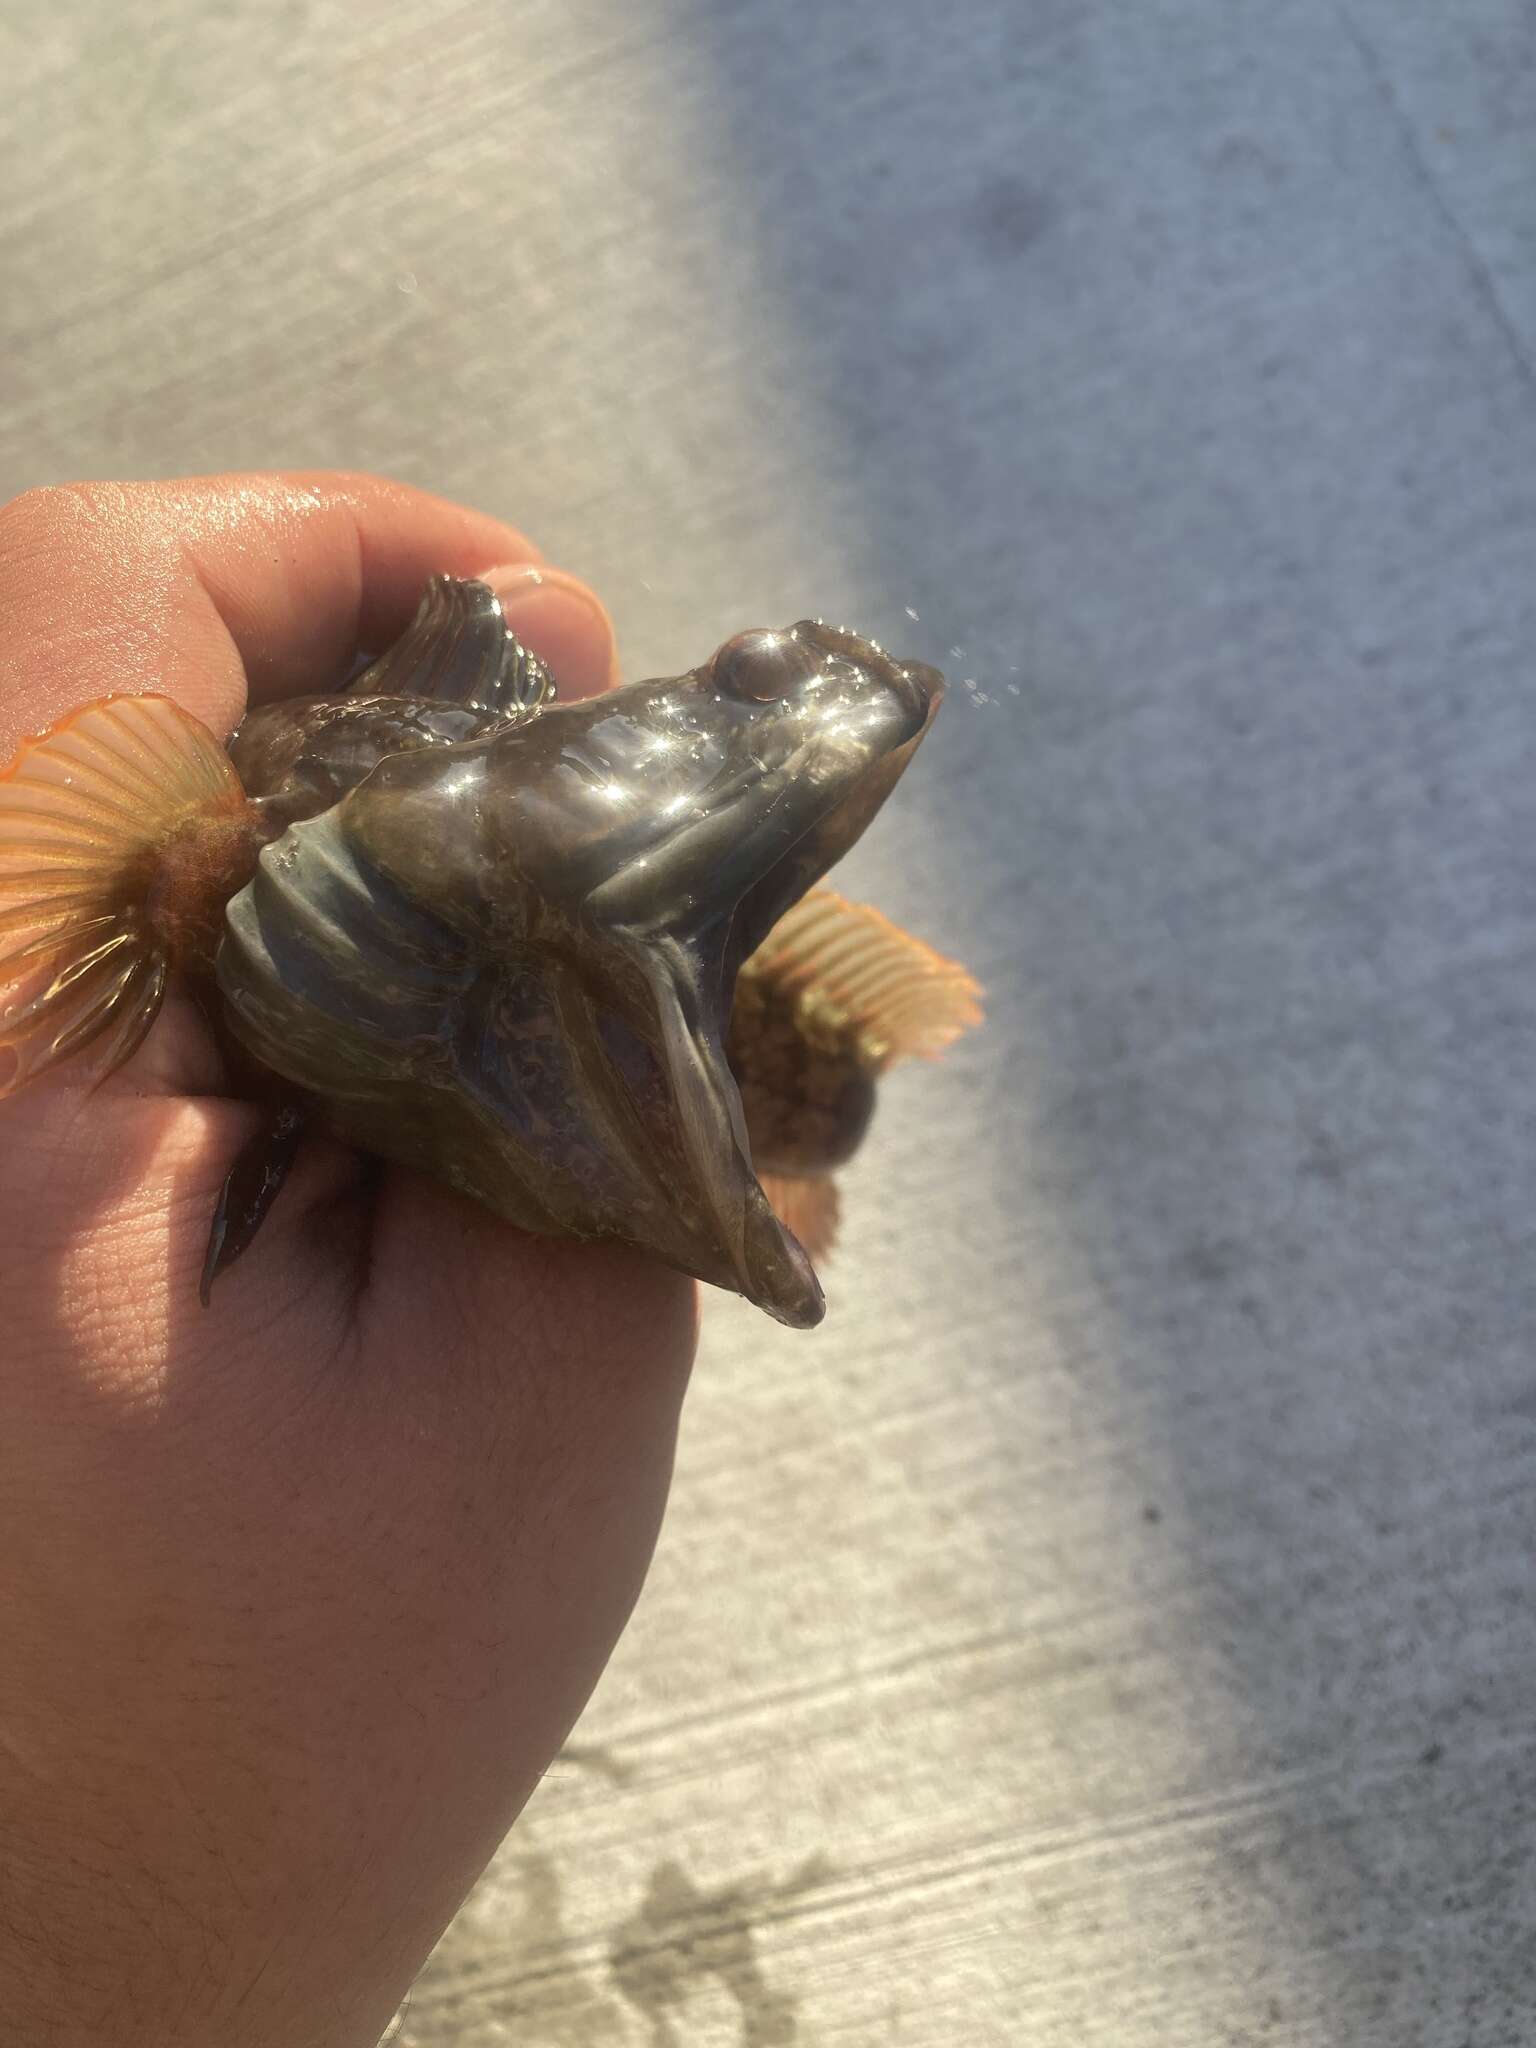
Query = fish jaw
x=770 y=1266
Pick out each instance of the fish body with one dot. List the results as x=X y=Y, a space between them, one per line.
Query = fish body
x=490 y=938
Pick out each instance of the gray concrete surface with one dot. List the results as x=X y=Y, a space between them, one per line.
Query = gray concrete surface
x=1116 y=1625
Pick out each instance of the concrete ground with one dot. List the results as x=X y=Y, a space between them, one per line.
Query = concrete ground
x=1116 y=1625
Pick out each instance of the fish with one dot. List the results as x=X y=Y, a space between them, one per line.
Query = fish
x=571 y=960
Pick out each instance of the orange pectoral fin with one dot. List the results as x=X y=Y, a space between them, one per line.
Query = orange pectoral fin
x=810 y=1208
x=83 y=812
x=902 y=998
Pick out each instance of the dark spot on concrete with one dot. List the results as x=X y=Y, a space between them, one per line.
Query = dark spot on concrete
x=1210 y=1261
x=682 y=1935
x=1253 y=1309
x=1010 y=216
x=1152 y=1514
x=549 y=1994
x=926 y=354
x=1433 y=1754
x=1239 y=157
x=592 y=1756
x=1324 y=1159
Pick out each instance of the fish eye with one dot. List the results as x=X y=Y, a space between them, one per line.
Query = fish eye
x=760 y=665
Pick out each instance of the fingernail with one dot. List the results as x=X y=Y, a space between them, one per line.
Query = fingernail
x=563 y=621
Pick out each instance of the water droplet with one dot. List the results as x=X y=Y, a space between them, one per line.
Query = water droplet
x=406 y=282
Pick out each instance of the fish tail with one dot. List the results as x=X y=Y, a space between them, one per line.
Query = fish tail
x=122 y=829
x=850 y=967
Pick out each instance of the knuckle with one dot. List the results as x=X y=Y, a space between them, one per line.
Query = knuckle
x=48 y=515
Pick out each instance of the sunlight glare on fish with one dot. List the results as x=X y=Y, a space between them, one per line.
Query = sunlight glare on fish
x=455 y=783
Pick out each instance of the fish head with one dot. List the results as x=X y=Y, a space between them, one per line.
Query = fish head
x=707 y=803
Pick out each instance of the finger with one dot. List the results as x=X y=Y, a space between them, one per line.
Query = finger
x=105 y=1206
x=600 y=1337
x=198 y=586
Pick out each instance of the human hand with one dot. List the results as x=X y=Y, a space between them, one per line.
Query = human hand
x=298 y=1594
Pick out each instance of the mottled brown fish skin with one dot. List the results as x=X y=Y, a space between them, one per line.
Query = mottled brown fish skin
x=190 y=876
x=806 y=1091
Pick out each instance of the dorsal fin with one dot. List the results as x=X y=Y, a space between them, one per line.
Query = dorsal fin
x=460 y=649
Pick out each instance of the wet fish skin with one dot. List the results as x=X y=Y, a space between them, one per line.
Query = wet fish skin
x=509 y=961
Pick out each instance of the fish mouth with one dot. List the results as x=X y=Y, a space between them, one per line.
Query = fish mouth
x=918 y=683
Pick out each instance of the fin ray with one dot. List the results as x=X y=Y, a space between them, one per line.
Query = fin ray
x=137 y=1009
x=460 y=649
x=59 y=1023
x=43 y=913
x=904 y=999
x=84 y=809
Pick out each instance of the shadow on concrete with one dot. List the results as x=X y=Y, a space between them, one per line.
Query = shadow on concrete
x=1144 y=370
